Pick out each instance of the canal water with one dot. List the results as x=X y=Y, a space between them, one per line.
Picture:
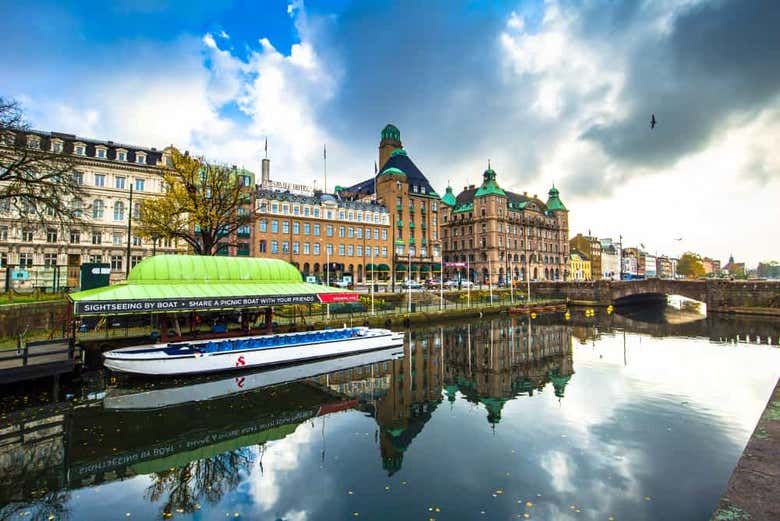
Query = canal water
x=632 y=417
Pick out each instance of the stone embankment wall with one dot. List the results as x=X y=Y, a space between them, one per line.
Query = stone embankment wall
x=20 y=318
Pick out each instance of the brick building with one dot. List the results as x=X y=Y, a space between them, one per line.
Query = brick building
x=323 y=235
x=591 y=247
x=413 y=207
x=503 y=235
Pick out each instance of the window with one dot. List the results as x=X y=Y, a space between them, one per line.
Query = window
x=316 y=212
x=136 y=240
x=262 y=246
x=56 y=146
x=384 y=235
x=274 y=226
x=274 y=246
x=285 y=209
x=135 y=259
x=49 y=260
x=3 y=260
x=27 y=235
x=100 y=153
x=95 y=258
x=33 y=142
x=359 y=233
x=285 y=227
x=275 y=208
x=116 y=262
x=136 y=210
x=285 y=247
x=97 y=209
x=350 y=250
x=306 y=211
x=26 y=260
x=306 y=228
x=296 y=210
x=3 y=233
x=79 y=150
x=359 y=251
x=317 y=230
x=121 y=155
x=316 y=248
x=119 y=183
x=140 y=158
x=351 y=232
x=116 y=239
x=306 y=248
x=78 y=178
x=399 y=249
x=51 y=235
x=139 y=185
x=97 y=238
x=329 y=249
x=263 y=226
x=384 y=252
x=75 y=236
x=296 y=248
x=329 y=230
x=76 y=207
x=341 y=231
x=119 y=211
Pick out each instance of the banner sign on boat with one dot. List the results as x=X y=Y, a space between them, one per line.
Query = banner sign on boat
x=333 y=298
x=96 y=307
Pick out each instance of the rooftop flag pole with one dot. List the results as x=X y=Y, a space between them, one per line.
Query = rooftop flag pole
x=325 y=166
x=266 y=147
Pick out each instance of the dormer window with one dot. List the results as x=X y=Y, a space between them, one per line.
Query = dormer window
x=33 y=142
x=121 y=155
x=140 y=158
x=56 y=146
x=7 y=138
x=101 y=152
x=79 y=149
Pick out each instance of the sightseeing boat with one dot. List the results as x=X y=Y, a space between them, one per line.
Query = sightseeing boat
x=208 y=356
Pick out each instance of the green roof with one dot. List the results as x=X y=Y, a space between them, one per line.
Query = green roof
x=188 y=282
x=449 y=197
x=391 y=132
x=392 y=171
x=489 y=185
x=554 y=203
x=398 y=152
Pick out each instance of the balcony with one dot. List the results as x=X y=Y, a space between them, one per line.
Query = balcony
x=399 y=223
x=399 y=207
x=411 y=225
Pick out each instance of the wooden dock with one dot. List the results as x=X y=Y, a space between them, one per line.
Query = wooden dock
x=38 y=359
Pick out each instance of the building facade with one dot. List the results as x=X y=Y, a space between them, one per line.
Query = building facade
x=664 y=268
x=579 y=266
x=591 y=247
x=505 y=236
x=610 y=260
x=324 y=236
x=51 y=254
x=413 y=207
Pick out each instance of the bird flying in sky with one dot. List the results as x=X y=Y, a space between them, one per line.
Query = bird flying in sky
x=652 y=121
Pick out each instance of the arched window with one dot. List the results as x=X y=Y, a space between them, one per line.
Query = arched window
x=98 y=207
x=119 y=211
x=316 y=267
x=306 y=268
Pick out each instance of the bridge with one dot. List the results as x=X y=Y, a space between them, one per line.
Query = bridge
x=746 y=296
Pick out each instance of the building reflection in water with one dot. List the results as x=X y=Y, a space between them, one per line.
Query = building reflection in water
x=488 y=364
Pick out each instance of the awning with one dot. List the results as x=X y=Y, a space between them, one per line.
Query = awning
x=400 y=266
x=383 y=267
x=425 y=267
x=176 y=283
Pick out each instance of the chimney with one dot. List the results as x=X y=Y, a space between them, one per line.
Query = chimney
x=265 y=176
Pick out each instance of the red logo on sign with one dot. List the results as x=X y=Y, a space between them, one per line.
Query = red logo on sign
x=240 y=362
x=240 y=382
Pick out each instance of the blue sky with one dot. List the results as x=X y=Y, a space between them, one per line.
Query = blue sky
x=551 y=91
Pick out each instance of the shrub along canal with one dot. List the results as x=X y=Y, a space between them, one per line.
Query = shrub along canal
x=505 y=418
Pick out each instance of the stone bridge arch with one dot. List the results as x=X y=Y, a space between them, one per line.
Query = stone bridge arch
x=693 y=289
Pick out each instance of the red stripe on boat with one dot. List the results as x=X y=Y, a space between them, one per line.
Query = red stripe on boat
x=329 y=408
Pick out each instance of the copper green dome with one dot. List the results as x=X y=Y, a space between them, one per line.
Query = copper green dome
x=392 y=171
x=554 y=202
x=489 y=185
x=391 y=132
x=398 y=152
x=449 y=197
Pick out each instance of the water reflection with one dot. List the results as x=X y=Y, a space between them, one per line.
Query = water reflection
x=455 y=404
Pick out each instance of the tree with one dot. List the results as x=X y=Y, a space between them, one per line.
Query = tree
x=204 y=204
x=690 y=265
x=36 y=185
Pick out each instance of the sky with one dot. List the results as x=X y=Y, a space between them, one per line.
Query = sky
x=551 y=91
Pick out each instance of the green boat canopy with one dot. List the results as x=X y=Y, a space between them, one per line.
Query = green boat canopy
x=173 y=283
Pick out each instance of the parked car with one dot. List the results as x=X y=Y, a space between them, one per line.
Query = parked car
x=411 y=284
x=341 y=284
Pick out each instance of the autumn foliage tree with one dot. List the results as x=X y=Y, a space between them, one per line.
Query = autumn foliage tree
x=36 y=185
x=204 y=204
x=690 y=265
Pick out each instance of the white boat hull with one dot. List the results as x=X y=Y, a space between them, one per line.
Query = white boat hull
x=130 y=360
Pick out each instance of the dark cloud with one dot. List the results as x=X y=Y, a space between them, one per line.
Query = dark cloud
x=718 y=63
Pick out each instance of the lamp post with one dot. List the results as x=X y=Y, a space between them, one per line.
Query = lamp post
x=154 y=244
x=129 y=231
x=327 y=276
x=409 y=280
x=372 y=280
